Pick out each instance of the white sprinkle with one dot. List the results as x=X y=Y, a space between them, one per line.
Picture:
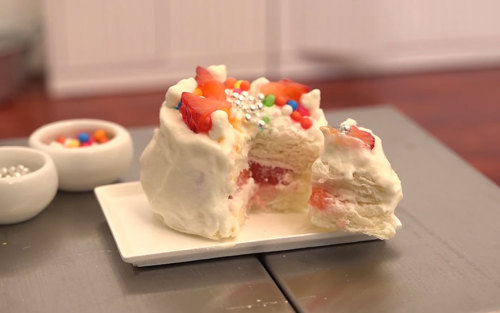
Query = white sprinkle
x=287 y=109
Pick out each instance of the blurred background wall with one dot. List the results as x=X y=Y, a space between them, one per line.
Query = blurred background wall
x=89 y=47
x=21 y=23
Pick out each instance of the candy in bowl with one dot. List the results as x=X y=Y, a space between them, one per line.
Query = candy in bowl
x=87 y=152
x=28 y=183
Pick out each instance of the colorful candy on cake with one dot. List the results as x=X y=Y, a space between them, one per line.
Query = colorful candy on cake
x=226 y=147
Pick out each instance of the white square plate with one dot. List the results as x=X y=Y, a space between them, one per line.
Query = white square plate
x=143 y=240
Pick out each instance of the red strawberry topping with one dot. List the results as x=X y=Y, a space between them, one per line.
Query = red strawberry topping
x=203 y=75
x=196 y=111
x=319 y=198
x=210 y=87
x=285 y=88
x=213 y=90
x=365 y=136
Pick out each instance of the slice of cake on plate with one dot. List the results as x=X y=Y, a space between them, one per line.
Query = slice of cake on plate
x=354 y=187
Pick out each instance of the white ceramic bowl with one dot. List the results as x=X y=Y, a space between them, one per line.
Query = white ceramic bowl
x=82 y=169
x=25 y=196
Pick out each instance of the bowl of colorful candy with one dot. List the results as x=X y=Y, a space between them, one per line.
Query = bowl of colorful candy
x=87 y=152
x=28 y=183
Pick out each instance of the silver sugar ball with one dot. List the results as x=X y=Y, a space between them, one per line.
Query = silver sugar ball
x=260 y=96
x=261 y=124
x=260 y=105
x=253 y=107
x=238 y=103
x=345 y=128
x=248 y=117
x=241 y=97
x=251 y=99
x=244 y=93
x=13 y=171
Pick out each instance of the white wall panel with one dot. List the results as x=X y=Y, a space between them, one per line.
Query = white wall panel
x=115 y=45
x=214 y=27
x=338 y=37
x=125 y=45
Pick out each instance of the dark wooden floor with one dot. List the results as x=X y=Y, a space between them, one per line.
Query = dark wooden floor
x=460 y=108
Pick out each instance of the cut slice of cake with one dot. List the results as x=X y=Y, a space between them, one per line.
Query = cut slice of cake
x=354 y=187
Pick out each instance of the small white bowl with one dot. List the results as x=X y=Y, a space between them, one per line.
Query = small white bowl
x=23 y=197
x=83 y=169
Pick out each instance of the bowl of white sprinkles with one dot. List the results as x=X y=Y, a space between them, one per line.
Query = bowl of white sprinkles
x=28 y=183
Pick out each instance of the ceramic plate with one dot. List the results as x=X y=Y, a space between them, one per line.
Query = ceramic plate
x=143 y=240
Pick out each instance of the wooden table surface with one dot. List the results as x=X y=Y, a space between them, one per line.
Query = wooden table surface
x=460 y=108
x=445 y=258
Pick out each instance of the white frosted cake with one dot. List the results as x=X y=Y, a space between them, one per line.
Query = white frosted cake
x=226 y=147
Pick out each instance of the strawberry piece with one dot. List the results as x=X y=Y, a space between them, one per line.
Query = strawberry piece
x=210 y=87
x=285 y=88
x=203 y=75
x=365 y=136
x=268 y=174
x=213 y=90
x=196 y=111
x=243 y=177
x=319 y=198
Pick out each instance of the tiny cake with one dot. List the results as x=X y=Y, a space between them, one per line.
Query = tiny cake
x=226 y=146
x=354 y=187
